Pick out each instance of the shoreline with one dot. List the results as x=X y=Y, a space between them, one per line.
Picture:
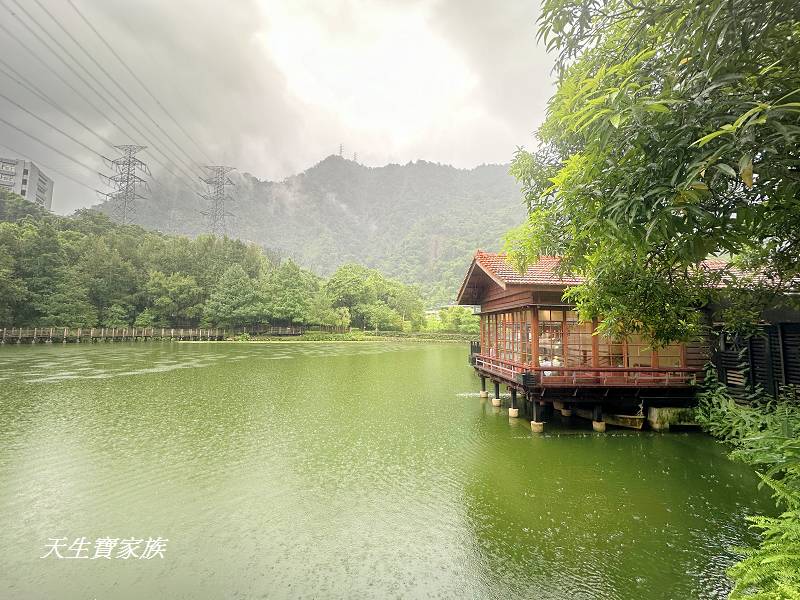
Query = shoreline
x=299 y=340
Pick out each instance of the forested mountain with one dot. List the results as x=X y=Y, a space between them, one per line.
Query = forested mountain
x=418 y=222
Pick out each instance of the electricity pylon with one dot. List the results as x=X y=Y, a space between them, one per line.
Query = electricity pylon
x=216 y=181
x=126 y=182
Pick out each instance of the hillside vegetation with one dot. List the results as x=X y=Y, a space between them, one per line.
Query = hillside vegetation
x=419 y=222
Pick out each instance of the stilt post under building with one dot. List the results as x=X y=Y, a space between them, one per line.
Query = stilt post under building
x=513 y=412
x=597 y=419
x=496 y=399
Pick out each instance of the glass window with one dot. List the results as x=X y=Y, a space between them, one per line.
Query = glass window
x=639 y=353
x=610 y=353
x=670 y=356
x=550 y=344
x=579 y=344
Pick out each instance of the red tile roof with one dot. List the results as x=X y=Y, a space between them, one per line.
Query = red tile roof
x=543 y=272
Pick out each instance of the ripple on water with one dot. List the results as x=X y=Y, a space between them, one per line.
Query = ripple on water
x=375 y=468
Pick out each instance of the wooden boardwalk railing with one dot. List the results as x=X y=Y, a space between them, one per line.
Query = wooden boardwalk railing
x=16 y=335
x=559 y=376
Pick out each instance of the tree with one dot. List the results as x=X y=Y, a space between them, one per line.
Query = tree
x=144 y=319
x=352 y=286
x=672 y=137
x=380 y=316
x=322 y=311
x=175 y=298
x=12 y=290
x=117 y=316
x=366 y=294
x=288 y=294
x=235 y=300
x=66 y=305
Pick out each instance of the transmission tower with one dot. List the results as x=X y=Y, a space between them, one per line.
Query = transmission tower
x=216 y=181
x=355 y=156
x=126 y=182
x=341 y=149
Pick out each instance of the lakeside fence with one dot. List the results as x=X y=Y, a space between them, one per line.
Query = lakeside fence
x=33 y=335
x=20 y=335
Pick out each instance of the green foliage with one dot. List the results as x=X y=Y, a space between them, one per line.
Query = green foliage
x=672 y=137
x=418 y=223
x=766 y=434
x=374 y=301
x=118 y=316
x=174 y=298
x=14 y=208
x=630 y=296
x=67 y=306
x=85 y=270
x=290 y=293
x=145 y=319
x=235 y=301
x=454 y=319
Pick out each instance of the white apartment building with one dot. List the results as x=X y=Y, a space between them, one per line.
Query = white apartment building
x=24 y=178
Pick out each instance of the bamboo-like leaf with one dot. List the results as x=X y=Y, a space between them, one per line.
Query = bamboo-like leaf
x=727 y=169
x=746 y=170
x=714 y=134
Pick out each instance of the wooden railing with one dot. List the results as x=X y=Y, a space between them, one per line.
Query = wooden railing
x=590 y=376
x=91 y=334
x=506 y=368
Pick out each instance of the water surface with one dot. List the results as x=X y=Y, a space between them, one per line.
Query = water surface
x=352 y=470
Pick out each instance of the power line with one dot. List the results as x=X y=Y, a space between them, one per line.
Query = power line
x=46 y=122
x=49 y=168
x=78 y=75
x=32 y=88
x=136 y=77
x=43 y=143
x=111 y=78
x=26 y=83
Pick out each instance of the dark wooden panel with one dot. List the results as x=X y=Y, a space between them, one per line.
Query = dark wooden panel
x=761 y=373
x=790 y=334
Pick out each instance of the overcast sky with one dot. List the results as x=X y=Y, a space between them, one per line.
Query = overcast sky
x=273 y=86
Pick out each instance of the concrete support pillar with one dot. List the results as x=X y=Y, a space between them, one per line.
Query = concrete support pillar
x=537 y=424
x=597 y=419
x=496 y=399
x=513 y=412
x=660 y=418
x=484 y=393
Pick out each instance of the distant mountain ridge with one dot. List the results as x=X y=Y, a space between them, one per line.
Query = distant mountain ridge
x=419 y=222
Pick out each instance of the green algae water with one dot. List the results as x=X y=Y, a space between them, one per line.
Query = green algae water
x=352 y=470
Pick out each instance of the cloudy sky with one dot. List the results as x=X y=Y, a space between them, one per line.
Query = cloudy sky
x=268 y=86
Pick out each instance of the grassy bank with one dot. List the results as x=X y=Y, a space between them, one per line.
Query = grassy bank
x=764 y=433
x=362 y=336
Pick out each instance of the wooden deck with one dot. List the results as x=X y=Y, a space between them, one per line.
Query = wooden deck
x=527 y=376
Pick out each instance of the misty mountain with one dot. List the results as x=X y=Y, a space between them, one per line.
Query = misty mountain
x=419 y=222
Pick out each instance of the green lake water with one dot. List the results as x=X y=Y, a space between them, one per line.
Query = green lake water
x=352 y=470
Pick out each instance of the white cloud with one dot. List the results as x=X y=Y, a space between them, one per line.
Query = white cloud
x=273 y=86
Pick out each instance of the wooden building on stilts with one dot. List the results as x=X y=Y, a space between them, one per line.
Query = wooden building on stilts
x=533 y=343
